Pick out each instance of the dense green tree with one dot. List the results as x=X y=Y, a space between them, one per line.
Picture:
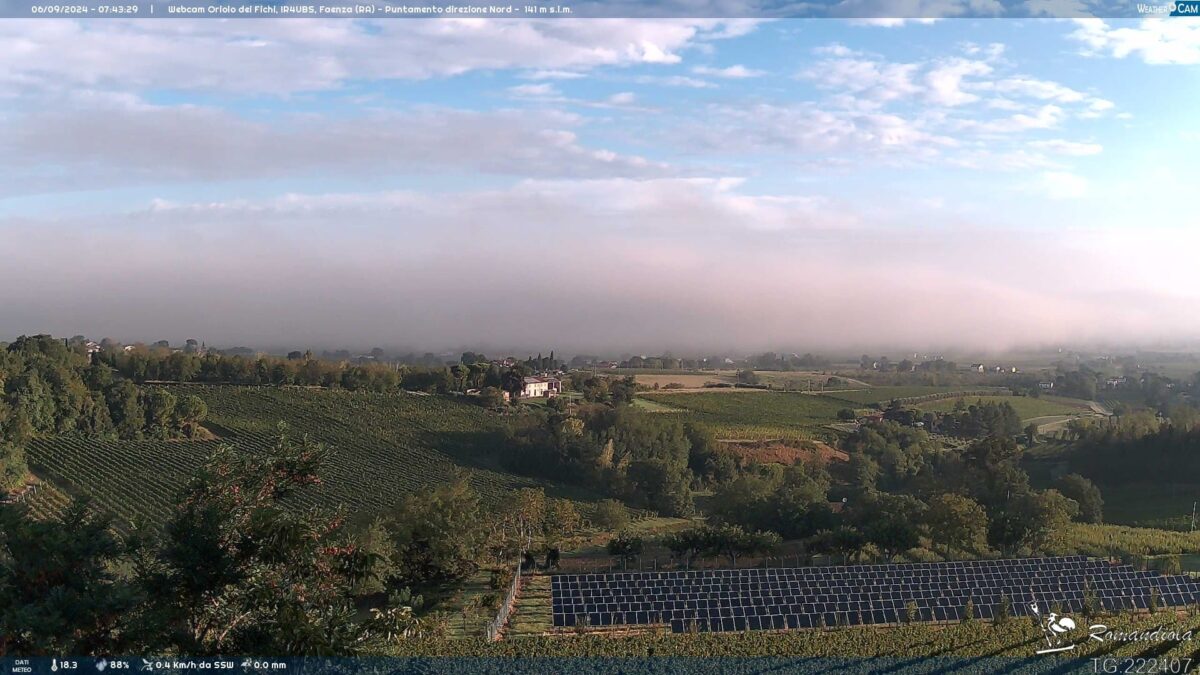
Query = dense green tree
x=13 y=469
x=238 y=572
x=1085 y=493
x=625 y=547
x=58 y=590
x=438 y=534
x=610 y=515
x=734 y=542
x=958 y=523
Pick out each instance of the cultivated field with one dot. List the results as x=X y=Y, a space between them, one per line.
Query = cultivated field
x=1007 y=646
x=885 y=395
x=757 y=415
x=386 y=446
x=1027 y=407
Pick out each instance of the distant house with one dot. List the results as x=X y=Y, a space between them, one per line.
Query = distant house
x=1114 y=382
x=541 y=387
x=1045 y=385
x=977 y=367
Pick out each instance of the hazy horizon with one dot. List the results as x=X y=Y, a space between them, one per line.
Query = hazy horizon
x=634 y=185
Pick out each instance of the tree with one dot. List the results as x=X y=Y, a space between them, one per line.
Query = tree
x=438 y=533
x=626 y=547
x=1029 y=519
x=687 y=544
x=610 y=515
x=1031 y=434
x=239 y=572
x=125 y=409
x=661 y=485
x=491 y=397
x=1085 y=493
x=191 y=410
x=58 y=590
x=13 y=469
x=733 y=542
x=513 y=382
x=846 y=415
x=747 y=377
x=562 y=520
x=957 y=522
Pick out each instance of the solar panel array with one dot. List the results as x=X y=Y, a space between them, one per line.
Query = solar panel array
x=814 y=597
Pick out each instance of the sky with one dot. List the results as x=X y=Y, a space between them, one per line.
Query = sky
x=601 y=185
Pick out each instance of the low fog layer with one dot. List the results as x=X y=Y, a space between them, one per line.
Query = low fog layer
x=586 y=265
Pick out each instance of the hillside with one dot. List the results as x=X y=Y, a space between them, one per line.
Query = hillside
x=386 y=446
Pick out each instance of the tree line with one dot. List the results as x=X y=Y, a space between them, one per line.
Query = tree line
x=49 y=388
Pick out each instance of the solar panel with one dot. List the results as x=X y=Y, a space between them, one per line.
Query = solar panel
x=790 y=598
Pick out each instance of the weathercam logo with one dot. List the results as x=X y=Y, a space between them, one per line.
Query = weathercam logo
x=1056 y=628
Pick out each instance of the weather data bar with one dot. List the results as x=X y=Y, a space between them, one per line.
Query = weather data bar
x=749 y=9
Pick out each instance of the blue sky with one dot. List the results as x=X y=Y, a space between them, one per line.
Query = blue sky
x=649 y=184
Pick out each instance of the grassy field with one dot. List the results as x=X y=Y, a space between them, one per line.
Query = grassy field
x=864 y=397
x=386 y=446
x=1027 y=407
x=758 y=414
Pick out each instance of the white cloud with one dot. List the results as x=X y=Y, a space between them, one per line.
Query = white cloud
x=298 y=55
x=1156 y=41
x=1063 y=185
x=533 y=90
x=553 y=75
x=1040 y=89
x=118 y=145
x=891 y=22
x=945 y=81
x=874 y=79
x=736 y=72
x=1070 y=148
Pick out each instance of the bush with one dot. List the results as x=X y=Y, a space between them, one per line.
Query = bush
x=611 y=515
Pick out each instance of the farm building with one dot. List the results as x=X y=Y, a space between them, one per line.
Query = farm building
x=541 y=387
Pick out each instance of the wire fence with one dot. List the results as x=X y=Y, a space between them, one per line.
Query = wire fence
x=18 y=497
x=510 y=598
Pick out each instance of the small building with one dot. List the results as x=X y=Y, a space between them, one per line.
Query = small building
x=977 y=367
x=1115 y=382
x=541 y=387
x=1045 y=385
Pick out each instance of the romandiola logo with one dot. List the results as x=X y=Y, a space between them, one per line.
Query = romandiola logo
x=1056 y=629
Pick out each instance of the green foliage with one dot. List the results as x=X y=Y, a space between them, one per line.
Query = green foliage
x=1085 y=493
x=958 y=523
x=437 y=534
x=13 y=468
x=791 y=503
x=611 y=515
x=639 y=456
x=58 y=592
x=625 y=547
x=238 y=572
